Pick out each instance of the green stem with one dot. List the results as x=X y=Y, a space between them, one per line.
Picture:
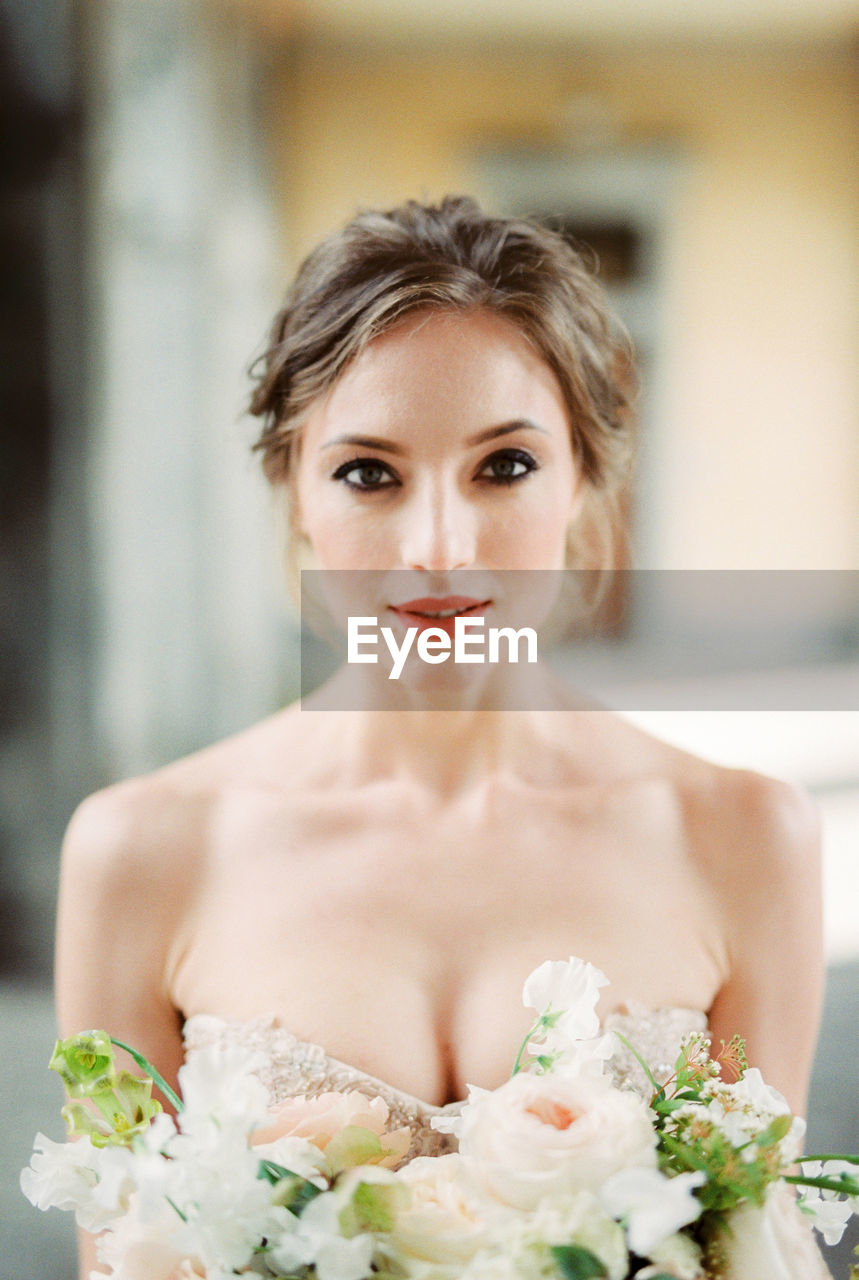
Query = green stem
x=657 y=1087
x=157 y=1078
x=517 y=1065
x=847 y=1159
x=825 y=1184
x=173 y=1205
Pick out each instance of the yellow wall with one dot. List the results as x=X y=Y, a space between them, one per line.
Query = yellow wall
x=758 y=426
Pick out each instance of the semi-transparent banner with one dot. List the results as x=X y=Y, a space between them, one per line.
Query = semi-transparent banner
x=635 y=639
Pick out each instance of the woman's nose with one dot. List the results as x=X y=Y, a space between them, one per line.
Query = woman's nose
x=439 y=531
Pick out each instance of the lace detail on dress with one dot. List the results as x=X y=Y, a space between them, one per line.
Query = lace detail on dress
x=656 y=1036
x=295 y=1066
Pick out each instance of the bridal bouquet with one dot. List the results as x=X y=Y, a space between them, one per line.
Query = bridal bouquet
x=559 y=1172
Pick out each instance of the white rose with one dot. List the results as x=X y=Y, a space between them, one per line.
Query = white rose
x=771 y=1240
x=542 y=1135
x=448 y=1218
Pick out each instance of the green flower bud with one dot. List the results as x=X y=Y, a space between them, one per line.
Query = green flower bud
x=86 y=1063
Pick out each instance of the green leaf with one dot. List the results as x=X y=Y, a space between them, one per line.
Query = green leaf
x=373 y=1207
x=774 y=1132
x=351 y=1146
x=576 y=1263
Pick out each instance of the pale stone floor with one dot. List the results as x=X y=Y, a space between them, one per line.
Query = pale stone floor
x=40 y=1246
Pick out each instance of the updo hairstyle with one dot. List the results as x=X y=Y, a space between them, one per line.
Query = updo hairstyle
x=384 y=266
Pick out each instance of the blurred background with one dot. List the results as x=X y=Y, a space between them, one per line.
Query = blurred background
x=165 y=165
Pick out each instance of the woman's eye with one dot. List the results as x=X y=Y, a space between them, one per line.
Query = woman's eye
x=507 y=466
x=366 y=474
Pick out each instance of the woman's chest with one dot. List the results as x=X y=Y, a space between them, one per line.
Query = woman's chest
x=356 y=914
x=499 y=859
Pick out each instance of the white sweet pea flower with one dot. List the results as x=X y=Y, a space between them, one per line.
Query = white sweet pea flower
x=315 y=1240
x=565 y=995
x=829 y=1217
x=828 y=1211
x=652 y=1205
x=222 y=1093
x=570 y=988
x=830 y=1169
x=94 y=1182
x=227 y=1206
x=62 y=1175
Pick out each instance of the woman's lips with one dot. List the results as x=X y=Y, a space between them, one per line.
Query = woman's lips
x=439 y=611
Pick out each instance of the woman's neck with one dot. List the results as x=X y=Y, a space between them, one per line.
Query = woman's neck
x=444 y=750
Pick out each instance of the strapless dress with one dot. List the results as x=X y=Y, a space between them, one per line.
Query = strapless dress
x=294 y=1066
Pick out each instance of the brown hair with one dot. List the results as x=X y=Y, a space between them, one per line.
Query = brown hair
x=384 y=266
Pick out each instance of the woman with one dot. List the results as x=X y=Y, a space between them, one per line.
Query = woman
x=442 y=393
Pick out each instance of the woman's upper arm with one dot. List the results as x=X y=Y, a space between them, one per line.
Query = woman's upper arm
x=113 y=931
x=771 y=880
x=114 y=928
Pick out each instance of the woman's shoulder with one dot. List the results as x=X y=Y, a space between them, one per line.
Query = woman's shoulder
x=745 y=828
x=735 y=817
x=162 y=817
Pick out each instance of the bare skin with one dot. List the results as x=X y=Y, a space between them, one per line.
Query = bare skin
x=383 y=882
x=391 y=914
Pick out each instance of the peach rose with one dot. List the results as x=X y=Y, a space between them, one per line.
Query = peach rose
x=331 y=1122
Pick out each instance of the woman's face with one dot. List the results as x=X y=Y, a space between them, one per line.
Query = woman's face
x=445 y=445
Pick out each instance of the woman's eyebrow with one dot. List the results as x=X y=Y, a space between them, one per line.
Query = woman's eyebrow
x=365 y=442
x=389 y=446
x=504 y=429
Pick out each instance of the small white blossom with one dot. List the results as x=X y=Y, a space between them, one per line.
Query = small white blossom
x=743 y=1109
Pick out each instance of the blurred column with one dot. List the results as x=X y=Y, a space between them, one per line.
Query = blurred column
x=191 y=639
